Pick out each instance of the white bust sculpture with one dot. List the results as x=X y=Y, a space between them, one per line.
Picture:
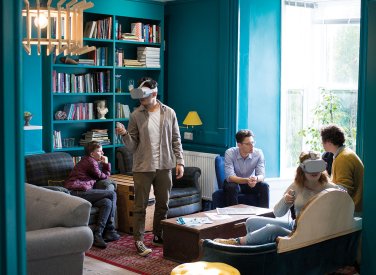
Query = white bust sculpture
x=102 y=110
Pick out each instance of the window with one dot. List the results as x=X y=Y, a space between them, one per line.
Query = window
x=320 y=63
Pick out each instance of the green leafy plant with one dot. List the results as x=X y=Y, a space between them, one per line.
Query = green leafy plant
x=328 y=110
x=26 y=113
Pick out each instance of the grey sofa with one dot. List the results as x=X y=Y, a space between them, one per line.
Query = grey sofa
x=185 y=197
x=57 y=232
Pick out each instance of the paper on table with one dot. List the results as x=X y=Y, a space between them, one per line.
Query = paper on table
x=193 y=221
x=215 y=216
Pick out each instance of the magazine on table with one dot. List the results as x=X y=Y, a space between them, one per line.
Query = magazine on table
x=193 y=221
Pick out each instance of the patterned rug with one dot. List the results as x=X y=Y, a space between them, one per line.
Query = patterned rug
x=122 y=253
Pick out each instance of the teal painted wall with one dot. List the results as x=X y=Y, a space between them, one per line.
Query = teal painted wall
x=368 y=135
x=12 y=207
x=259 y=76
x=32 y=96
x=200 y=69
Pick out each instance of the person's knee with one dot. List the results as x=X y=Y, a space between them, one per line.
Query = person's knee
x=264 y=187
x=231 y=187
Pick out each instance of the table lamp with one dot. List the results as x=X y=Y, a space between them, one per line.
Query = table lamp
x=192 y=119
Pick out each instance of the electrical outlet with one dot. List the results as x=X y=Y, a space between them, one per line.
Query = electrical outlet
x=188 y=135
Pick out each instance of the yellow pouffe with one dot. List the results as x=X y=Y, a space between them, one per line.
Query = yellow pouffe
x=205 y=268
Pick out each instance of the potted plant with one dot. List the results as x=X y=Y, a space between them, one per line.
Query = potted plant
x=27 y=118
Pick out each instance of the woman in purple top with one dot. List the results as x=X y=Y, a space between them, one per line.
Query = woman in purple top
x=94 y=169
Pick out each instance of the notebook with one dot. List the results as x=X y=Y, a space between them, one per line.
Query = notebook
x=237 y=211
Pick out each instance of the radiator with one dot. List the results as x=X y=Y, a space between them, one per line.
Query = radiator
x=208 y=179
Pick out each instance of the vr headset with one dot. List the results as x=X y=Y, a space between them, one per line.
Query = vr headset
x=142 y=92
x=313 y=165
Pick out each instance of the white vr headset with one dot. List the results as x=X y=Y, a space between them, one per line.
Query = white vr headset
x=142 y=92
x=313 y=166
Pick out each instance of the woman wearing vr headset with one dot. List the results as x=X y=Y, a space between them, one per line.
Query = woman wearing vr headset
x=310 y=179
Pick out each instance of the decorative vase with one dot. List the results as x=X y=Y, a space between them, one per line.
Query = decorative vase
x=27 y=120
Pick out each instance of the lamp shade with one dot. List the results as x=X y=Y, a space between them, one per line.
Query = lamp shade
x=192 y=119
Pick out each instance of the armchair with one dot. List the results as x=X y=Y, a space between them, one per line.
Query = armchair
x=326 y=238
x=57 y=232
x=185 y=196
x=50 y=170
x=218 y=196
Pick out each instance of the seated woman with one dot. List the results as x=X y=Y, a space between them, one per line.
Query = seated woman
x=92 y=169
x=310 y=179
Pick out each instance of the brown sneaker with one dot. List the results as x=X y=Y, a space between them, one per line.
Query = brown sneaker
x=231 y=241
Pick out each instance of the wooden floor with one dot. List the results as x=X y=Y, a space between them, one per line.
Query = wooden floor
x=95 y=267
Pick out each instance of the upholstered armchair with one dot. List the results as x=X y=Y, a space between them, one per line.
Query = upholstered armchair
x=57 y=232
x=185 y=197
x=218 y=197
x=50 y=170
x=326 y=238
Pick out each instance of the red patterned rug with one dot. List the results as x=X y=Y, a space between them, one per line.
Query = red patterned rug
x=122 y=253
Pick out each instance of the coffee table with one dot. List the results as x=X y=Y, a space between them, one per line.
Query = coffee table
x=181 y=242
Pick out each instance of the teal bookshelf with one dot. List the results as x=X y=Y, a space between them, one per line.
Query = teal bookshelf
x=57 y=94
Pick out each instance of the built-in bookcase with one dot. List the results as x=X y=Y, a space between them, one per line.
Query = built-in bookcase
x=81 y=85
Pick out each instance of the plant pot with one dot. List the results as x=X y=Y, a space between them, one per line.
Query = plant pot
x=27 y=120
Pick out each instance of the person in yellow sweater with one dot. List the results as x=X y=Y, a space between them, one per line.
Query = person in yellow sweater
x=347 y=168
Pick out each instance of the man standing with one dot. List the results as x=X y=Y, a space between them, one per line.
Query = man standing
x=154 y=138
x=245 y=170
x=347 y=168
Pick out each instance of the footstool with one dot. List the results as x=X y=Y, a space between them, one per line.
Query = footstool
x=202 y=268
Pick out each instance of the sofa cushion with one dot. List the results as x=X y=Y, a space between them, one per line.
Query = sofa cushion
x=186 y=200
x=46 y=209
x=41 y=168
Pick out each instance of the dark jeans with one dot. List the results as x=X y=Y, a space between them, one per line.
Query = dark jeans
x=232 y=190
x=105 y=200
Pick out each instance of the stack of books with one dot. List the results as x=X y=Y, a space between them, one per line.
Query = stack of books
x=149 y=56
x=132 y=63
x=86 y=61
x=99 y=135
x=129 y=36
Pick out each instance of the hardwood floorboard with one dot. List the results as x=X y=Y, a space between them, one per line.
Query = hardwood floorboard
x=96 y=267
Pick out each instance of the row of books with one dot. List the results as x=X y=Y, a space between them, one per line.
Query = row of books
x=99 y=135
x=100 y=56
x=76 y=159
x=146 y=32
x=122 y=110
x=79 y=111
x=119 y=56
x=94 y=82
x=149 y=56
x=100 y=29
x=57 y=140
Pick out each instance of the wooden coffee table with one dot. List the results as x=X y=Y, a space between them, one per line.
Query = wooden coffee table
x=181 y=243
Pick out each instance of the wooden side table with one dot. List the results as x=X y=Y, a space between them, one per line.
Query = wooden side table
x=125 y=204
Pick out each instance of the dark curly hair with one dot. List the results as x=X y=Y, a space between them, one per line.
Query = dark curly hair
x=333 y=133
x=242 y=134
x=150 y=83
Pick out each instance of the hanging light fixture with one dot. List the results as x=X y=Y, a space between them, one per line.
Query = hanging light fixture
x=59 y=29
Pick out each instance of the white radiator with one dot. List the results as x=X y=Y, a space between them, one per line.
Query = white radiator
x=206 y=162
